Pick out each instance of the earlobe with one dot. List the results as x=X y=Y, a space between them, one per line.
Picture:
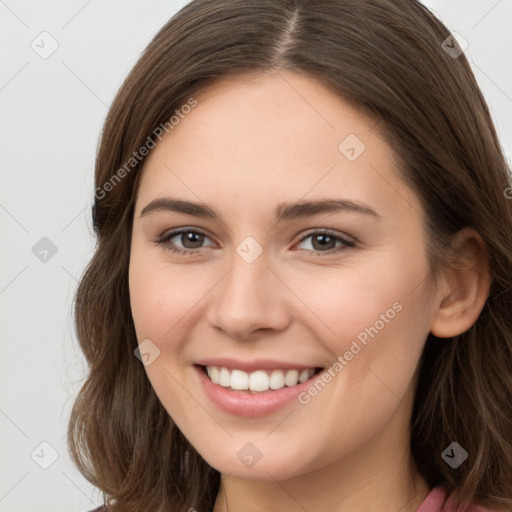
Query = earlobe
x=465 y=287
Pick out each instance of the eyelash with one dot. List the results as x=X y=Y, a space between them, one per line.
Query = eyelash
x=165 y=241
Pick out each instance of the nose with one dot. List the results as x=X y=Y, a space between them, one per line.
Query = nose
x=248 y=300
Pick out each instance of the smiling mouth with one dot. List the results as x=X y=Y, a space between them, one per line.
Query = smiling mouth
x=258 y=381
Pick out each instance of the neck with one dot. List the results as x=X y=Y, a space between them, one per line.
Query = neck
x=384 y=496
x=375 y=477
x=322 y=492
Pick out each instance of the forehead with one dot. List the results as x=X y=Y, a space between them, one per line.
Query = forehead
x=271 y=137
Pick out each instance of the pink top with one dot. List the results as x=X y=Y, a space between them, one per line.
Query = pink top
x=434 y=503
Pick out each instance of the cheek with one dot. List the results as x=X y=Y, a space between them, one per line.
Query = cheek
x=374 y=316
x=341 y=303
x=163 y=300
x=162 y=295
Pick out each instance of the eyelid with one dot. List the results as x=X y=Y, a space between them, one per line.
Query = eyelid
x=346 y=242
x=178 y=231
x=167 y=236
x=329 y=232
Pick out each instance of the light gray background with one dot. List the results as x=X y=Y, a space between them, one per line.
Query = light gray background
x=52 y=111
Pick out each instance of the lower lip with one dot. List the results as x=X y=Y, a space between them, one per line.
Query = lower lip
x=250 y=405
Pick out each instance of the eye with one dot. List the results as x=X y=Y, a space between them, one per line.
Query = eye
x=188 y=241
x=185 y=241
x=325 y=241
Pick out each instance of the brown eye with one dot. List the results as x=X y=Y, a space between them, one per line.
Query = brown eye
x=324 y=241
x=185 y=241
x=321 y=242
x=191 y=239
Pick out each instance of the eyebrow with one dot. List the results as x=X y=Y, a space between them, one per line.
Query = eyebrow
x=284 y=211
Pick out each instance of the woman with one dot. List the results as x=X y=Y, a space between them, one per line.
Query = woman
x=300 y=297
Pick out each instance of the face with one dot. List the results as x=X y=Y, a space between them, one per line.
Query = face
x=275 y=247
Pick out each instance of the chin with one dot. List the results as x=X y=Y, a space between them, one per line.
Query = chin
x=246 y=461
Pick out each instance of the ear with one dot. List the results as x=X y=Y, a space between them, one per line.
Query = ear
x=464 y=287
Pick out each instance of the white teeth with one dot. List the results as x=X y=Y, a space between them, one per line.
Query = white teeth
x=213 y=373
x=224 y=377
x=304 y=375
x=259 y=380
x=239 y=379
x=291 y=378
x=277 y=379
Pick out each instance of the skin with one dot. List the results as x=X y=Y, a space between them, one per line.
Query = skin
x=251 y=144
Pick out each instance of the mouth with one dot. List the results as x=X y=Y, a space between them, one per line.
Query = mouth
x=252 y=389
x=259 y=380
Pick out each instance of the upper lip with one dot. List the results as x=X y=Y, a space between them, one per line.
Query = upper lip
x=254 y=364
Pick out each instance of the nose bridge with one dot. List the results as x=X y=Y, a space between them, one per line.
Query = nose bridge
x=248 y=298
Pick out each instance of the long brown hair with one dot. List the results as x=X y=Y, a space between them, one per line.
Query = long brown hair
x=388 y=59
